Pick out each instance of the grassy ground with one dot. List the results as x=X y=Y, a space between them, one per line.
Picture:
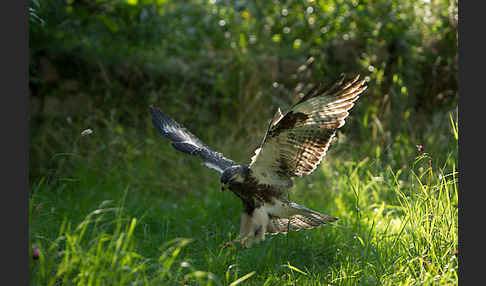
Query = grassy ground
x=121 y=207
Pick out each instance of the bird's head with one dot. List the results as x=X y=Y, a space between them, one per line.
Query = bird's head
x=233 y=174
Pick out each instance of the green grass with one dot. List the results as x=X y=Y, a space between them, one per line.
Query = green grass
x=121 y=207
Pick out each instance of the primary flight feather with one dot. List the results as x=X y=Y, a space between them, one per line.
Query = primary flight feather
x=293 y=146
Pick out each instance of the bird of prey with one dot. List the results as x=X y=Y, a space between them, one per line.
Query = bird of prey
x=293 y=146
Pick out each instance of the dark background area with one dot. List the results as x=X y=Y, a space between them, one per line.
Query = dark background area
x=223 y=67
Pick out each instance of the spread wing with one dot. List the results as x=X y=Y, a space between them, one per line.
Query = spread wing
x=296 y=142
x=186 y=142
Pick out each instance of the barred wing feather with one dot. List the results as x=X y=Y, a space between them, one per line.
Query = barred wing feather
x=295 y=144
x=186 y=142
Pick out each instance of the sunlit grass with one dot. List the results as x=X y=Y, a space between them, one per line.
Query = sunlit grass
x=127 y=211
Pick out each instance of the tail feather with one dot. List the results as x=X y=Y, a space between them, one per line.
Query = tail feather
x=303 y=219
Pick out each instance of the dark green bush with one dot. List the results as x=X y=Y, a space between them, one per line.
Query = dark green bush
x=229 y=64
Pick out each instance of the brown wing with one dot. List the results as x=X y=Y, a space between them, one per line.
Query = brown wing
x=296 y=143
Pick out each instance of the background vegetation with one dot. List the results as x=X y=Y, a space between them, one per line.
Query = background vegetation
x=120 y=206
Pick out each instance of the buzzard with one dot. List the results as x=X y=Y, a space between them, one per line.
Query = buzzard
x=293 y=146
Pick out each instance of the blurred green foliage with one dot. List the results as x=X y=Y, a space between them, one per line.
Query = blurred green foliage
x=222 y=68
x=229 y=64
